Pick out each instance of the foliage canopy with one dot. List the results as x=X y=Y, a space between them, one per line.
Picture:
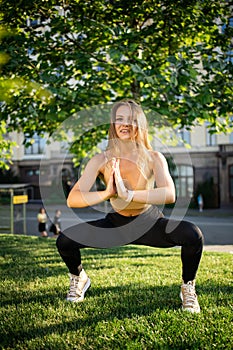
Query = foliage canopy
x=172 y=56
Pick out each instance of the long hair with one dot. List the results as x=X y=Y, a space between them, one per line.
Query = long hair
x=141 y=138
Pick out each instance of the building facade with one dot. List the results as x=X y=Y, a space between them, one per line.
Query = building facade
x=205 y=167
x=42 y=165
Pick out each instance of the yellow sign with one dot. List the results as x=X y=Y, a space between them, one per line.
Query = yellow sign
x=20 y=199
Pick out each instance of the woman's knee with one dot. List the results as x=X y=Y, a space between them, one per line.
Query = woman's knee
x=66 y=244
x=63 y=242
x=194 y=233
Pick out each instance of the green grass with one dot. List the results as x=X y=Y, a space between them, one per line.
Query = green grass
x=133 y=303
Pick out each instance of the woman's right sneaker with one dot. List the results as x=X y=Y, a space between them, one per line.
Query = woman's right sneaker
x=78 y=287
x=189 y=297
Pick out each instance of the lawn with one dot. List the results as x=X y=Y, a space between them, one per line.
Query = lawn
x=133 y=302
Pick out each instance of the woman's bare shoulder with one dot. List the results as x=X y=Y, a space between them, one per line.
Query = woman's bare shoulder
x=99 y=157
x=157 y=156
x=97 y=160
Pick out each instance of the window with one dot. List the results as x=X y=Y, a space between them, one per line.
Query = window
x=231 y=138
x=211 y=139
x=29 y=172
x=183 y=178
x=33 y=22
x=229 y=53
x=36 y=145
x=32 y=172
x=231 y=134
x=231 y=181
x=184 y=135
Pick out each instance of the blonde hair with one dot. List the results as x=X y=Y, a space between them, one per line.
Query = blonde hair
x=141 y=138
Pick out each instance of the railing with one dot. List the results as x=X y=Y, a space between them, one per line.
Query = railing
x=227 y=148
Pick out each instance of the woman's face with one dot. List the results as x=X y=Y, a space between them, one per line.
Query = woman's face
x=125 y=127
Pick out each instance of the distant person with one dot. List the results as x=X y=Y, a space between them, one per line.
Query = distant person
x=137 y=180
x=55 y=228
x=42 y=220
x=200 y=202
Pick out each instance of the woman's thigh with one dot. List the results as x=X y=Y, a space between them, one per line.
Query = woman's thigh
x=169 y=233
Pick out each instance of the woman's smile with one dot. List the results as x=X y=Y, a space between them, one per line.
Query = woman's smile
x=124 y=124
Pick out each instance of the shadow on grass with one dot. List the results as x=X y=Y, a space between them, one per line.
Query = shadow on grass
x=27 y=256
x=114 y=302
x=121 y=302
x=27 y=259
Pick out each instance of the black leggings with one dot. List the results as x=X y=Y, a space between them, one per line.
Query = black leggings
x=161 y=233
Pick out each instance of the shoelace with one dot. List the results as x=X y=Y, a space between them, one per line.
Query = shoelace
x=189 y=295
x=73 y=286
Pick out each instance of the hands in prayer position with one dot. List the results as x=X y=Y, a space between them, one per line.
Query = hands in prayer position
x=121 y=190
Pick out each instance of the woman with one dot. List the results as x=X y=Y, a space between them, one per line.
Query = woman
x=56 y=224
x=42 y=219
x=130 y=169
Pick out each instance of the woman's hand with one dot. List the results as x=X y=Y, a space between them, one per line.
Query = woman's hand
x=111 y=186
x=122 y=191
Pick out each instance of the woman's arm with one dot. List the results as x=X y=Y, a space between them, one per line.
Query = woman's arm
x=80 y=195
x=164 y=193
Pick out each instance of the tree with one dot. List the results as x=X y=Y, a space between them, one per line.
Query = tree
x=172 y=56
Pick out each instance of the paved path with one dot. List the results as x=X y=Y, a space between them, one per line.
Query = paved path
x=219 y=248
x=216 y=224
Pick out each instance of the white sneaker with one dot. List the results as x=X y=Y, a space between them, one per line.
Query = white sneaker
x=189 y=297
x=78 y=287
